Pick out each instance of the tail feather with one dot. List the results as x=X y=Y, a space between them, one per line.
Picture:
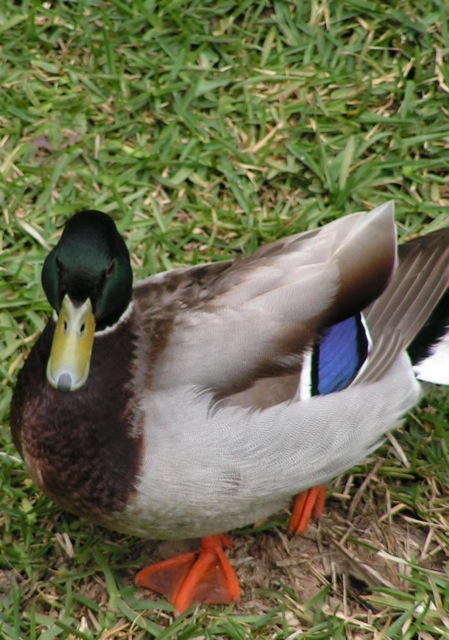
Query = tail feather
x=429 y=351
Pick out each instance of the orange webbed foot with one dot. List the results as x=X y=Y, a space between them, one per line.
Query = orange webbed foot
x=307 y=504
x=205 y=576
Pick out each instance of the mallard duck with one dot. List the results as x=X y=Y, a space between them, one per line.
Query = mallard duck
x=204 y=399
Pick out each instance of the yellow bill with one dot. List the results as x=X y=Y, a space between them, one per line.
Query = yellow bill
x=69 y=362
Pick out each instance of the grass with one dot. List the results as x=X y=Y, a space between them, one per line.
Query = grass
x=207 y=128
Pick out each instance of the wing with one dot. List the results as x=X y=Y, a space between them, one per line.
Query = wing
x=224 y=327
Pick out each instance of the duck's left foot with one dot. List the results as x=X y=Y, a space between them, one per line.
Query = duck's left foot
x=201 y=576
x=307 y=504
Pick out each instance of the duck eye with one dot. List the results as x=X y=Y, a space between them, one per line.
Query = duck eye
x=111 y=269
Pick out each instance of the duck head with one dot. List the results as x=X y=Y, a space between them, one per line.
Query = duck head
x=87 y=279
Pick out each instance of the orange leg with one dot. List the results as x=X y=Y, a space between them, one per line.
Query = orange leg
x=307 y=504
x=201 y=576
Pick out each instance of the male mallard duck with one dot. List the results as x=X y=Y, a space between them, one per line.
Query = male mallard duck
x=205 y=398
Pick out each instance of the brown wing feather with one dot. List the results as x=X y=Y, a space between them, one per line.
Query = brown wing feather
x=395 y=318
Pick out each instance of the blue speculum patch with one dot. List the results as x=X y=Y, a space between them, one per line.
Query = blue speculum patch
x=339 y=356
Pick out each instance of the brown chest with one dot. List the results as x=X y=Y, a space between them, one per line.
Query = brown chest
x=83 y=449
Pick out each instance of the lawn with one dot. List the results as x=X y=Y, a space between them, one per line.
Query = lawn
x=206 y=129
